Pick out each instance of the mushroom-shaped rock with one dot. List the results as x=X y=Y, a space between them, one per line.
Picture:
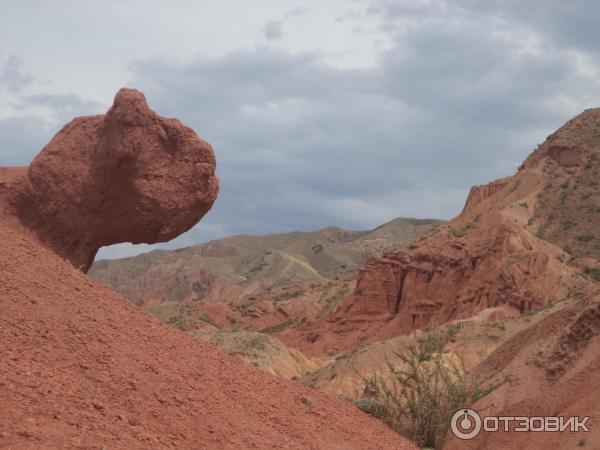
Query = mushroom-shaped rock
x=126 y=176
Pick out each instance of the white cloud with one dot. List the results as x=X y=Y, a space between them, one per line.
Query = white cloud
x=357 y=113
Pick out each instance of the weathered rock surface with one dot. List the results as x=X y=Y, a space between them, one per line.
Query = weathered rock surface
x=126 y=176
x=490 y=255
x=552 y=370
x=254 y=282
x=477 y=194
x=83 y=368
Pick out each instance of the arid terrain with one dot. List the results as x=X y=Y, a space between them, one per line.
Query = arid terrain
x=254 y=282
x=512 y=281
x=84 y=368
x=338 y=225
x=514 y=276
x=522 y=254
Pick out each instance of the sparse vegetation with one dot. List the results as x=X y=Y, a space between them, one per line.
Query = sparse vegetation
x=458 y=233
x=527 y=315
x=425 y=392
x=177 y=289
x=306 y=401
x=277 y=328
x=289 y=295
x=592 y=272
x=334 y=300
x=199 y=289
x=514 y=259
x=246 y=308
x=186 y=316
x=499 y=325
x=585 y=237
x=165 y=312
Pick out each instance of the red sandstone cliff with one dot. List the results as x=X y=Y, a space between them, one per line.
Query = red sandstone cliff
x=490 y=255
x=477 y=194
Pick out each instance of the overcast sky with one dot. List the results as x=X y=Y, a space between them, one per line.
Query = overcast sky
x=320 y=113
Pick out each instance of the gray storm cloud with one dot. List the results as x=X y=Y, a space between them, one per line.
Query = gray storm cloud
x=460 y=96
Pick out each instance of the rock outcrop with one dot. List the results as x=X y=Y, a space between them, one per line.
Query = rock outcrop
x=126 y=176
x=492 y=254
x=477 y=194
x=83 y=368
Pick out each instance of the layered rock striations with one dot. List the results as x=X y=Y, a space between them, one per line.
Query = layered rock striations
x=498 y=251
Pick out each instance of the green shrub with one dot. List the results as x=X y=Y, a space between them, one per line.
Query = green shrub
x=424 y=393
x=177 y=290
x=200 y=289
x=288 y=295
x=592 y=272
x=277 y=328
x=585 y=237
x=165 y=312
x=458 y=233
x=371 y=406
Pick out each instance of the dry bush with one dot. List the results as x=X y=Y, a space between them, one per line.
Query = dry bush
x=425 y=392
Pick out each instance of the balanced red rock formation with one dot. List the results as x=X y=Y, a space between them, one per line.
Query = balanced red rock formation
x=126 y=176
x=492 y=254
x=80 y=367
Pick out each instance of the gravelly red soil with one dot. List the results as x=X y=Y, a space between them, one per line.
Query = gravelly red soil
x=82 y=368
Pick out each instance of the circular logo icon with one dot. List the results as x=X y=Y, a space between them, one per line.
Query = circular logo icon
x=465 y=424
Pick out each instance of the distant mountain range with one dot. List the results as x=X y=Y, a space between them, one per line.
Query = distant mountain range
x=255 y=262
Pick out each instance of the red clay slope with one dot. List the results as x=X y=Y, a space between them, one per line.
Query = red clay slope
x=553 y=367
x=80 y=367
